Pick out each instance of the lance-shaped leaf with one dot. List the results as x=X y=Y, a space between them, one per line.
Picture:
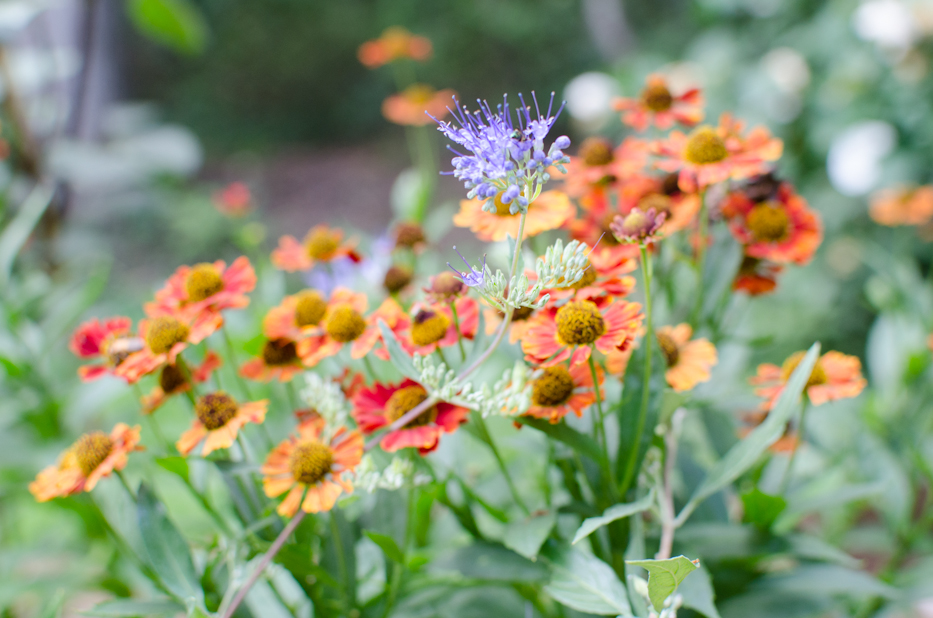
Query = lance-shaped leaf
x=612 y=514
x=664 y=576
x=399 y=357
x=585 y=583
x=526 y=536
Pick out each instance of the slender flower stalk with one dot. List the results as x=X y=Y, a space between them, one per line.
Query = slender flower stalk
x=668 y=521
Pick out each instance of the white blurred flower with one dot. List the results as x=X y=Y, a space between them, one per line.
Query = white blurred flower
x=854 y=161
x=888 y=23
x=787 y=68
x=589 y=98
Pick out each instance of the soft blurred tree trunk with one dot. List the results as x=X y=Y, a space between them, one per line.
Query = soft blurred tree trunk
x=609 y=28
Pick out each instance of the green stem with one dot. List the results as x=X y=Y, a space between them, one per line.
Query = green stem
x=367 y=364
x=397 y=569
x=126 y=485
x=788 y=471
x=440 y=354
x=293 y=400
x=487 y=438
x=646 y=384
x=191 y=392
x=341 y=559
x=231 y=352
x=601 y=427
x=453 y=312
x=701 y=258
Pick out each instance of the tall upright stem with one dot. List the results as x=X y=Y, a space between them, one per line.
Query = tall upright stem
x=668 y=521
x=487 y=438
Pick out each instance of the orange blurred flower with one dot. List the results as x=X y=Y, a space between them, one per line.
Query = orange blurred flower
x=688 y=361
x=902 y=206
x=572 y=331
x=782 y=230
x=343 y=323
x=835 y=376
x=92 y=457
x=417 y=106
x=321 y=244
x=605 y=275
x=395 y=43
x=382 y=404
x=658 y=106
x=550 y=211
x=219 y=419
x=709 y=155
x=112 y=341
x=164 y=338
x=205 y=288
x=173 y=380
x=598 y=165
x=312 y=469
x=756 y=277
x=432 y=327
x=234 y=200
x=278 y=360
x=559 y=390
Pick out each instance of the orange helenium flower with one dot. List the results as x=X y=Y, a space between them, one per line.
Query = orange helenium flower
x=174 y=380
x=598 y=165
x=164 y=338
x=433 y=326
x=416 y=105
x=902 y=206
x=783 y=230
x=395 y=43
x=311 y=469
x=835 y=376
x=111 y=340
x=321 y=244
x=559 y=390
x=92 y=457
x=205 y=288
x=571 y=331
x=658 y=106
x=343 y=323
x=550 y=211
x=710 y=155
x=605 y=275
x=234 y=200
x=278 y=360
x=381 y=404
x=688 y=361
x=219 y=419
x=756 y=277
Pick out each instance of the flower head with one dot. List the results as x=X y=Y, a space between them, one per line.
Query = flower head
x=689 y=361
x=638 y=226
x=658 y=106
x=598 y=165
x=92 y=457
x=474 y=278
x=311 y=469
x=549 y=211
x=278 y=360
x=502 y=156
x=902 y=206
x=433 y=326
x=835 y=376
x=164 y=337
x=205 y=288
x=111 y=341
x=173 y=379
x=445 y=287
x=219 y=418
x=558 y=390
x=394 y=44
x=409 y=234
x=321 y=244
x=417 y=105
x=382 y=404
x=234 y=200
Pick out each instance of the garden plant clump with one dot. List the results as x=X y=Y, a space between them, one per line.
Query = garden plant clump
x=546 y=427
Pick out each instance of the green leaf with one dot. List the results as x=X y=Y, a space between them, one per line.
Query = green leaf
x=387 y=544
x=400 y=358
x=585 y=583
x=130 y=607
x=698 y=594
x=489 y=562
x=176 y=465
x=177 y=24
x=17 y=231
x=562 y=432
x=525 y=537
x=826 y=579
x=762 y=509
x=664 y=576
x=479 y=341
x=612 y=514
x=814 y=548
x=743 y=455
x=166 y=548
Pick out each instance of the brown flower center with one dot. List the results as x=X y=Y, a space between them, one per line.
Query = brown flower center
x=596 y=151
x=278 y=352
x=91 y=450
x=164 y=332
x=203 y=282
x=658 y=201
x=447 y=284
x=817 y=376
x=579 y=323
x=172 y=379
x=522 y=313
x=310 y=462
x=345 y=324
x=408 y=234
x=428 y=327
x=215 y=410
x=668 y=348
x=553 y=388
x=704 y=146
x=310 y=308
x=768 y=222
x=397 y=277
x=322 y=244
x=588 y=278
x=503 y=209
x=657 y=97
x=404 y=400
x=605 y=226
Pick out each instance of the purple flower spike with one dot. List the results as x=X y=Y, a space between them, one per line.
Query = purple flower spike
x=474 y=278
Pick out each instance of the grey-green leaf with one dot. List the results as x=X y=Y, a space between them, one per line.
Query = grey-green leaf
x=387 y=544
x=664 y=576
x=585 y=583
x=129 y=607
x=612 y=514
x=698 y=594
x=526 y=536
x=400 y=358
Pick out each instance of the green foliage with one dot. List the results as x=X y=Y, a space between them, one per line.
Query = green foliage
x=664 y=576
x=177 y=24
